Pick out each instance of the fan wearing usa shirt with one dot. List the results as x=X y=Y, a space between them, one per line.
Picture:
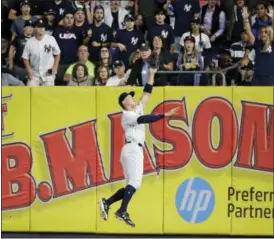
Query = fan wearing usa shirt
x=100 y=34
x=69 y=39
x=161 y=29
x=128 y=40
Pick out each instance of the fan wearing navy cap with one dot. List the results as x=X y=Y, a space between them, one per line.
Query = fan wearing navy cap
x=36 y=8
x=161 y=29
x=128 y=40
x=58 y=7
x=69 y=39
x=41 y=57
x=140 y=68
x=50 y=21
x=16 y=63
x=132 y=157
x=100 y=34
x=120 y=77
x=17 y=27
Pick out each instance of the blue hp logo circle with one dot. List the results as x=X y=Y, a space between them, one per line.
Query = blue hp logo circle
x=195 y=200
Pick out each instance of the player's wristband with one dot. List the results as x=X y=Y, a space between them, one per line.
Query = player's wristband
x=148 y=88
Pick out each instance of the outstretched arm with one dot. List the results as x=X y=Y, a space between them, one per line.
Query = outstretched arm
x=146 y=119
x=148 y=87
x=247 y=26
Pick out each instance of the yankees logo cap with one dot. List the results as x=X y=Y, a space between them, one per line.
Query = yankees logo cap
x=144 y=47
x=196 y=20
x=24 y=2
x=39 y=23
x=28 y=23
x=50 y=11
x=123 y=96
x=129 y=17
x=118 y=63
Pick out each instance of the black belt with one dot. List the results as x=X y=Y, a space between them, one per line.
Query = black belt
x=140 y=145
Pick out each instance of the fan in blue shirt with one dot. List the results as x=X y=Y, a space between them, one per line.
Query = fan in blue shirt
x=100 y=34
x=161 y=29
x=264 y=51
x=69 y=39
x=128 y=40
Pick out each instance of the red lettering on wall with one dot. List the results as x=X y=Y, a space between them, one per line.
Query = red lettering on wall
x=202 y=132
x=18 y=186
x=177 y=137
x=4 y=109
x=77 y=163
x=256 y=136
x=117 y=139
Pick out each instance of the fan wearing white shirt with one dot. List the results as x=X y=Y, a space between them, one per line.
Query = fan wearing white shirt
x=41 y=57
x=202 y=41
x=120 y=78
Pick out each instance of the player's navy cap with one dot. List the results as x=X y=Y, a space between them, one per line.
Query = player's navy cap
x=25 y=2
x=50 y=11
x=118 y=63
x=28 y=23
x=123 y=96
x=98 y=7
x=196 y=20
x=129 y=17
x=144 y=47
x=39 y=23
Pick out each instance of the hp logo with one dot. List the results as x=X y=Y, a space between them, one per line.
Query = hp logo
x=195 y=200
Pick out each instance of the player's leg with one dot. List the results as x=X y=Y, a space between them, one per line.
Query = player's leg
x=106 y=203
x=134 y=167
x=117 y=196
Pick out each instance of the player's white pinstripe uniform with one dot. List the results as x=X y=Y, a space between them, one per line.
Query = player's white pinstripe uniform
x=132 y=155
x=41 y=53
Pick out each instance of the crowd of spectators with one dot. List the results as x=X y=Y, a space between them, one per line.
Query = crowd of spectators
x=114 y=42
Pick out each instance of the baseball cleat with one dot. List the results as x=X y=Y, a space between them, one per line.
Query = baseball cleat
x=125 y=218
x=104 y=208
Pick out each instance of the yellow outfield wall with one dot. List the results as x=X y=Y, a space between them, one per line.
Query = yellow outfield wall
x=207 y=170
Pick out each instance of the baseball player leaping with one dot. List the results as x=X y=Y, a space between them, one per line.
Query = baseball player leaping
x=133 y=120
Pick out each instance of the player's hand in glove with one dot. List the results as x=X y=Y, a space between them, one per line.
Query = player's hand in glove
x=172 y=112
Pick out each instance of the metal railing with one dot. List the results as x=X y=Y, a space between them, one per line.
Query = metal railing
x=214 y=73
